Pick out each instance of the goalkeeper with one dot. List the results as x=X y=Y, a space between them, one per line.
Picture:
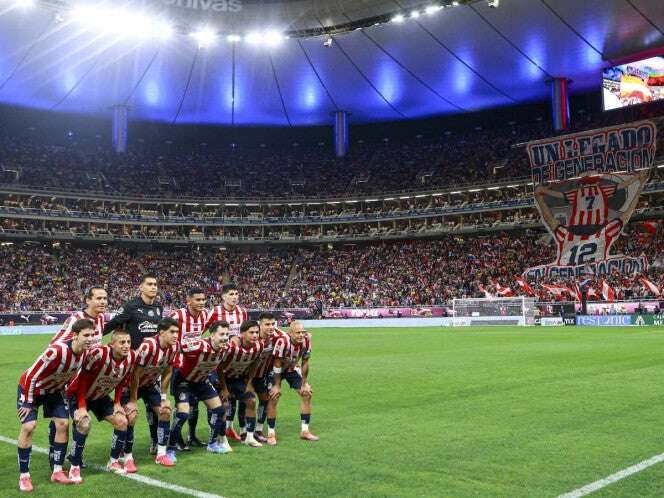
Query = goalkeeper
x=150 y=381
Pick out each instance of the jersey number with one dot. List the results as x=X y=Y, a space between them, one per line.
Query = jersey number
x=578 y=255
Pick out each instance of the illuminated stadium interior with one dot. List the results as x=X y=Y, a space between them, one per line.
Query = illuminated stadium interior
x=460 y=204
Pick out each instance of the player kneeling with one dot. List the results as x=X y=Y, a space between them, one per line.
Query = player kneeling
x=288 y=352
x=43 y=385
x=199 y=360
x=105 y=368
x=154 y=360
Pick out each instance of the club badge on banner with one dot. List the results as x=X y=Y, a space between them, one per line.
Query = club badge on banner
x=587 y=186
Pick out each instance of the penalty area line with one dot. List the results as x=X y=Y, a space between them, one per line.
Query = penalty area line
x=621 y=474
x=148 y=481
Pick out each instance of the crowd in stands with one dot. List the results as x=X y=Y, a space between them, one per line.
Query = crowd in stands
x=53 y=276
x=154 y=168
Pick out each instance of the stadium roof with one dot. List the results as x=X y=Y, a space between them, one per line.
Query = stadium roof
x=383 y=63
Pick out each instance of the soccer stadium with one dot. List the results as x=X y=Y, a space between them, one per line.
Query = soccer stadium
x=312 y=248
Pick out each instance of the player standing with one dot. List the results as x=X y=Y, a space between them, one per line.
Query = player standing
x=43 y=385
x=96 y=301
x=238 y=371
x=287 y=353
x=105 y=368
x=199 y=359
x=140 y=317
x=230 y=311
x=149 y=381
x=192 y=321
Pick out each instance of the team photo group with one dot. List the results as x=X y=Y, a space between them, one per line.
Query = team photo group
x=215 y=357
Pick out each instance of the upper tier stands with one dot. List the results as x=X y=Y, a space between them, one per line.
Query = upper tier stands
x=156 y=168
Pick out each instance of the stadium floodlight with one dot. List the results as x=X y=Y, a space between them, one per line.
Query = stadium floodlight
x=432 y=9
x=234 y=38
x=273 y=38
x=162 y=30
x=253 y=38
x=415 y=14
x=204 y=36
x=398 y=18
x=269 y=38
x=455 y=3
x=120 y=22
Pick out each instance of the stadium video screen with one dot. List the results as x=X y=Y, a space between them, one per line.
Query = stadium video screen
x=637 y=82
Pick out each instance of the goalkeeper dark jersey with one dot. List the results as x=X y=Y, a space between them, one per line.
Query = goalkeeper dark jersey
x=138 y=318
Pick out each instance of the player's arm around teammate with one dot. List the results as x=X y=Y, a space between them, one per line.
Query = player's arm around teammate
x=43 y=385
x=106 y=368
x=150 y=380
x=200 y=358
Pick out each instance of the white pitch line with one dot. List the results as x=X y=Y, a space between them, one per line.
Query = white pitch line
x=621 y=474
x=149 y=481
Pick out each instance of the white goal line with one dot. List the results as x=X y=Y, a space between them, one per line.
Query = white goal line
x=148 y=481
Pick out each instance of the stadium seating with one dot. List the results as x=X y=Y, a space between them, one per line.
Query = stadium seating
x=51 y=277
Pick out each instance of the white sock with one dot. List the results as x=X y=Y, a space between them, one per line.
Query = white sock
x=26 y=474
x=305 y=427
x=113 y=460
x=128 y=456
x=161 y=450
x=270 y=431
x=259 y=427
x=229 y=424
x=243 y=429
x=57 y=468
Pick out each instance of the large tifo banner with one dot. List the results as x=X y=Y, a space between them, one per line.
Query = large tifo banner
x=586 y=188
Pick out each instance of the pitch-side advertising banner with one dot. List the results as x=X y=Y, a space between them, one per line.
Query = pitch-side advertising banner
x=587 y=186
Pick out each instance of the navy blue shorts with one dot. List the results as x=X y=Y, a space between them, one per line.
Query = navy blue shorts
x=54 y=405
x=238 y=389
x=102 y=407
x=150 y=395
x=293 y=378
x=262 y=384
x=186 y=392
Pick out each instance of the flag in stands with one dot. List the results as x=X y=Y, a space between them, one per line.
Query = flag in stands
x=486 y=292
x=503 y=291
x=651 y=286
x=607 y=292
x=524 y=285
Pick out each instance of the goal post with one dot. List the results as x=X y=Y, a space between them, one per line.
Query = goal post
x=493 y=311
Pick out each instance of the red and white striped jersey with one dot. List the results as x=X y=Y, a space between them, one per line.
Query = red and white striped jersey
x=198 y=359
x=235 y=317
x=154 y=360
x=65 y=334
x=266 y=358
x=590 y=202
x=240 y=358
x=54 y=368
x=190 y=327
x=107 y=372
x=290 y=353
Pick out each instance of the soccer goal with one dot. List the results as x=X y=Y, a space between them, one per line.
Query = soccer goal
x=493 y=311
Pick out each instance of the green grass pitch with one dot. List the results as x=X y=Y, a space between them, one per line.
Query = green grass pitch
x=509 y=412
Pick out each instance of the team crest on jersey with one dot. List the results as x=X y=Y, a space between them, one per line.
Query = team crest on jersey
x=587 y=186
x=150 y=313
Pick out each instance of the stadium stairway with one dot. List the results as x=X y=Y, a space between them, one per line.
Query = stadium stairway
x=294 y=272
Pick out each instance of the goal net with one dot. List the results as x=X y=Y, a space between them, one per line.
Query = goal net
x=493 y=311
